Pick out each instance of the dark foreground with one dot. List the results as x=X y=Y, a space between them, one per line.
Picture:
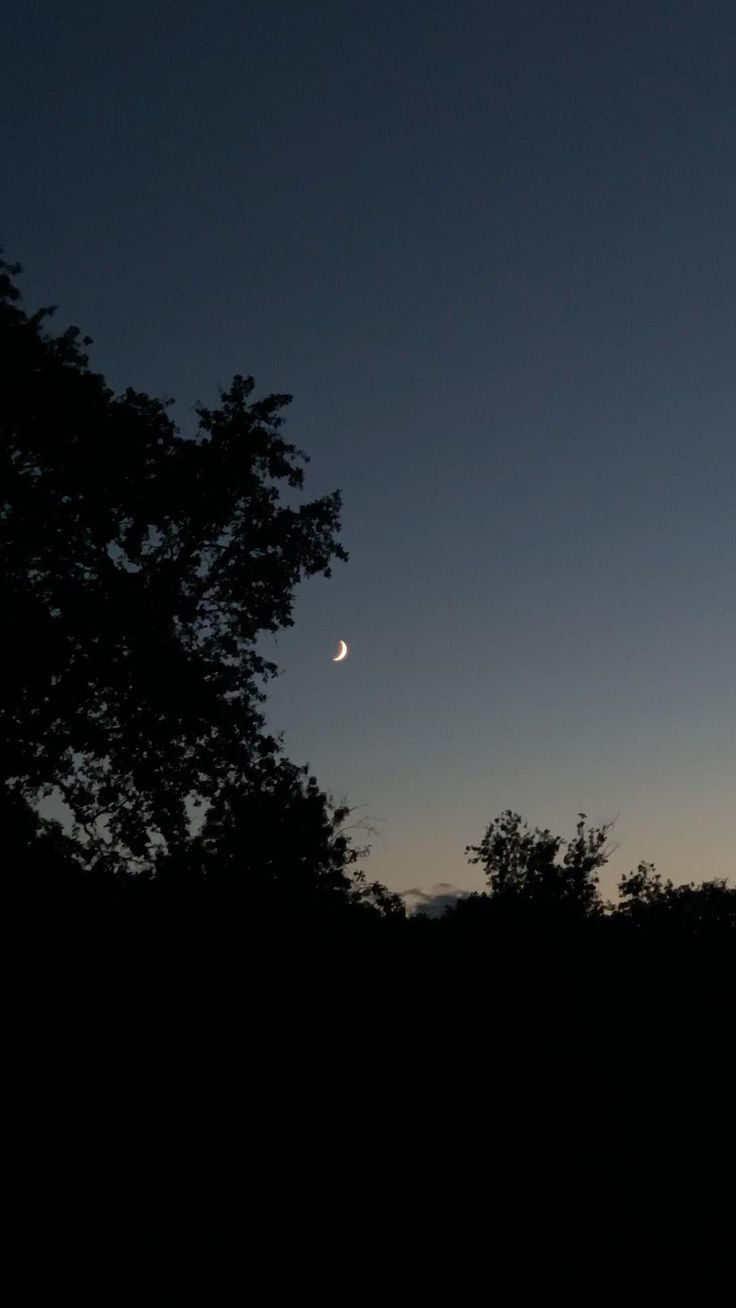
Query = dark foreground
x=256 y=1116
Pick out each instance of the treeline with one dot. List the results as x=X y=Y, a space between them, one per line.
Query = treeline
x=537 y=884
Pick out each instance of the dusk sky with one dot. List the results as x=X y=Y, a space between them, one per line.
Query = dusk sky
x=490 y=248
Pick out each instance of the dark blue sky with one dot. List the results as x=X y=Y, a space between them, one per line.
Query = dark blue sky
x=491 y=249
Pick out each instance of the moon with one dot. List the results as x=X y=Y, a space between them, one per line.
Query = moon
x=341 y=653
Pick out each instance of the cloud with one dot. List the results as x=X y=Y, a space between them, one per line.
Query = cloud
x=434 y=901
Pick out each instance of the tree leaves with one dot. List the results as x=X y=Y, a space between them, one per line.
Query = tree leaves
x=139 y=570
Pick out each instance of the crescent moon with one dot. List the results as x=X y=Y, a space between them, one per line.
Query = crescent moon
x=341 y=653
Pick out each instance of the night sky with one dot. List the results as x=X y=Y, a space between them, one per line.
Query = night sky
x=491 y=250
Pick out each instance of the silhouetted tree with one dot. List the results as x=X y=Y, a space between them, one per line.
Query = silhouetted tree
x=281 y=844
x=33 y=843
x=138 y=570
x=648 y=902
x=525 y=872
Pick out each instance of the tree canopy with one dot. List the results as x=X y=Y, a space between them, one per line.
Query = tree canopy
x=524 y=867
x=139 y=569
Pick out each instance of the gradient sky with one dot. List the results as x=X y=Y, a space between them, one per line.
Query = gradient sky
x=491 y=250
